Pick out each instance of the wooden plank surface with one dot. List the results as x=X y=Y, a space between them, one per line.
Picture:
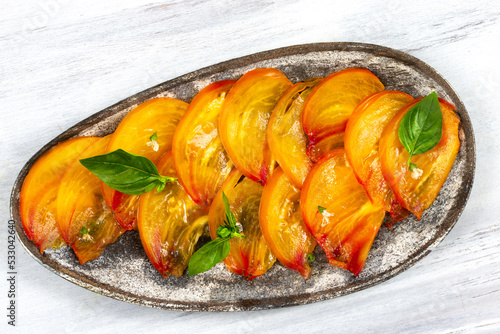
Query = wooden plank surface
x=61 y=61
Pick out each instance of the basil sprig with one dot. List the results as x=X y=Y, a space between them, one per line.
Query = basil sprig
x=421 y=128
x=216 y=250
x=128 y=173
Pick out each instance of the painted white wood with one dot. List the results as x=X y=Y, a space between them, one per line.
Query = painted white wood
x=62 y=61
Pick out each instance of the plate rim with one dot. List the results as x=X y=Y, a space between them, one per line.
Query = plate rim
x=262 y=303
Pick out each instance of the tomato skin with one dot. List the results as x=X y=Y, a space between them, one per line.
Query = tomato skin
x=348 y=226
x=201 y=162
x=282 y=225
x=286 y=138
x=249 y=256
x=80 y=203
x=170 y=223
x=244 y=118
x=161 y=116
x=362 y=136
x=37 y=200
x=416 y=193
x=330 y=104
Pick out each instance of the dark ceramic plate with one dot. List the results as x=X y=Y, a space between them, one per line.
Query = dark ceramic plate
x=124 y=272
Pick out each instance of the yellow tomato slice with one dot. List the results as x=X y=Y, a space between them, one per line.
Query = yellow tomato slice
x=249 y=256
x=350 y=222
x=37 y=201
x=170 y=223
x=333 y=100
x=282 y=225
x=160 y=116
x=362 y=137
x=286 y=138
x=244 y=118
x=325 y=145
x=85 y=220
x=417 y=190
x=200 y=159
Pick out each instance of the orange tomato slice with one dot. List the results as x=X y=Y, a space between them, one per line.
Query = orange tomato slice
x=417 y=190
x=286 y=138
x=200 y=159
x=350 y=222
x=249 y=256
x=85 y=220
x=244 y=118
x=318 y=150
x=362 y=137
x=37 y=201
x=170 y=223
x=160 y=116
x=282 y=225
x=332 y=101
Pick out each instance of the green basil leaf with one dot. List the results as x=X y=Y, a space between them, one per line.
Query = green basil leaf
x=154 y=137
x=421 y=128
x=84 y=230
x=160 y=187
x=128 y=173
x=321 y=209
x=223 y=232
x=230 y=219
x=209 y=255
x=311 y=257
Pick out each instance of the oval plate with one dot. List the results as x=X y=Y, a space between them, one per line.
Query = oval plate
x=124 y=272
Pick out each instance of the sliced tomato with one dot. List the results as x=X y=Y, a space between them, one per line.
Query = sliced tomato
x=282 y=225
x=249 y=256
x=325 y=145
x=286 y=138
x=362 y=137
x=160 y=116
x=332 y=101
x=200 y=159
x=37 y=201
x=170 y=223
x=244 y=118
x=346 y=228
x=85 y=220
x=417 y=190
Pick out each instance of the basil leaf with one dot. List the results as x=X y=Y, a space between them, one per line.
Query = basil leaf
x=209 y=255
x=223 y=232
x=154 y=137
x=421 y=128
x=84 y=230
x=311 y=257
x=128 y=173
x=230 y=219
x=321 y=209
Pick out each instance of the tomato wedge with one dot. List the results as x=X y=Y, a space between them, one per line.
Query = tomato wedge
x=318 y=150
x=160 y=116
x=37 y=201
x=417 y=190
x=249 y=256
x=200 y=159
x=286 y=138
x=244 y=118
x=332 y=101
x=170 y=223
x=282 y=225
x=362 y=137
x=85 y=220
x=346 y=228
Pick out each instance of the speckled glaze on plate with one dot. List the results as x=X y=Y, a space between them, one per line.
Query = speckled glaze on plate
x=124 y=272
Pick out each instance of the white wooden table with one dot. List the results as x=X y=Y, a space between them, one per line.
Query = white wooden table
x=62 y=61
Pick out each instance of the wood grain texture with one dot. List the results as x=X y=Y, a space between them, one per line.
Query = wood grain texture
x=62 y=61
